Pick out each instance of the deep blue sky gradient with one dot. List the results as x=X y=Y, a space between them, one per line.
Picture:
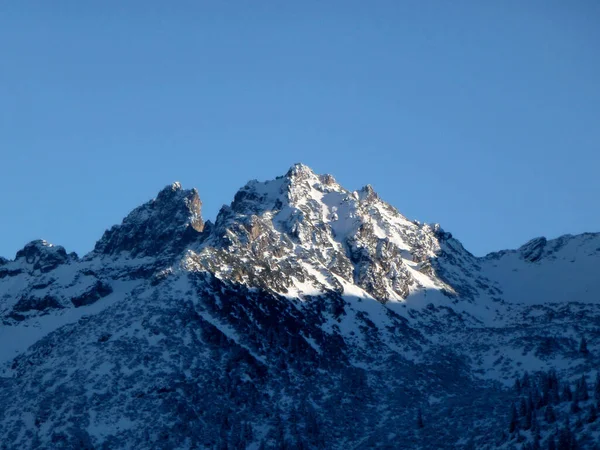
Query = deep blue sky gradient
x=482 y=116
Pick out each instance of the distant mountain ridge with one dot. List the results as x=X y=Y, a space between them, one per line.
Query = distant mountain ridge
x=302 y=296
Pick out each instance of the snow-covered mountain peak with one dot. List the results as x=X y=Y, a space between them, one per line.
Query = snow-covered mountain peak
x=296 y=188
x=299 y=170
x=306 y=226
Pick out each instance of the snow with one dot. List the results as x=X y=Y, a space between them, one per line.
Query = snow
x=492 y=311
x=19 y=337
x=570 y=274
x=101 y=427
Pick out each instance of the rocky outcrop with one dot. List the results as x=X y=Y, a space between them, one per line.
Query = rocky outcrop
x=91 y=295
x=42 y=256
x=163 y=226
x=34 y=303
x=534 y=249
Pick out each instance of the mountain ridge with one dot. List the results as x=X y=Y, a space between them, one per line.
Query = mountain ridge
x=298 y=167
x=301 y=296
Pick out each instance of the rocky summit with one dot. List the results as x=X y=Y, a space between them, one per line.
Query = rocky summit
x=307 y=316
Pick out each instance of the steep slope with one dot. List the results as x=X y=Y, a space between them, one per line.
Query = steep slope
x=301 y=297
x=159 y=228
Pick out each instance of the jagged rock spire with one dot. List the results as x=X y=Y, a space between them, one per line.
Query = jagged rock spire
x=299 y=170
x=162 y=225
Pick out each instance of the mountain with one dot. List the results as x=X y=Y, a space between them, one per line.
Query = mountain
x=306 y=316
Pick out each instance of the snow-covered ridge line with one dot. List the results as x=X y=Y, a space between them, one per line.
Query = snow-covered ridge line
x=250 y=332
x=267 y=195
x=280 y=233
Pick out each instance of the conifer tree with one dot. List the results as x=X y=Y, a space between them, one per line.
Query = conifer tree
x=536 y=442
x=551 y=389
x=544 y=399
x=550 y=415
x=583 y=346
x=554 y=380
x=518 y=385
x=535 y=426
x=514 y=420
x=554 y=395
x=530 y=403
x=564 y=440
x=546 y=384
x=527 y=420
x=539 y=395
x=236 y=438
x=579 y=423
x=581 y=392
x=247 y=432
x=519 y=437
x=420 y=423
x=523 y=408
x=567 y=394
x=525 y=382
x=592 y=414
x=279 y=432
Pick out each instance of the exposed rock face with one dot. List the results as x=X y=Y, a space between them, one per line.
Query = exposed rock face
x=308 y=316
x=163 y=225
x=43 y=256
x=26 y=304
x=94 y=293
x=533 y=250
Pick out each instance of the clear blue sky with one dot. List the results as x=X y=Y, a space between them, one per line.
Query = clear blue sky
x=482 y=116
